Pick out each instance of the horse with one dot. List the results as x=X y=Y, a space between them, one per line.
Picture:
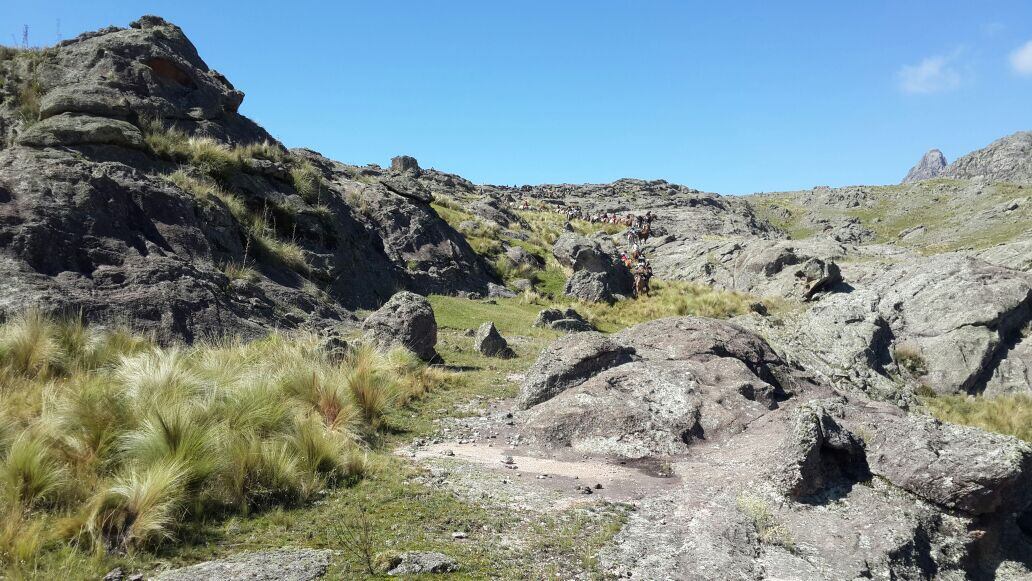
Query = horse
x=641 y=284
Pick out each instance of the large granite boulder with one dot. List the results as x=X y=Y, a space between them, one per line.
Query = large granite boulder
x=696 y=377
x=569 y=362
x=566 y=320
x=795 y=269
x=406 y=320
x=598 y=273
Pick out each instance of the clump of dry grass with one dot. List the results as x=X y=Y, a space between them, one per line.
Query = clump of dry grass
x=1004 y=414
x=307 y=181
x=258 y=226
x=127 y=441
x=668 y=299
x=908 y=355
x=769 y=529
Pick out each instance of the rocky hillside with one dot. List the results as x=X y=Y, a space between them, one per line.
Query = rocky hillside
x=1008 y=159
x=833 y=383
x=131 y=188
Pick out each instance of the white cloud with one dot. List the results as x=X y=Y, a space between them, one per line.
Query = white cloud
x=1021 y=59
x=934 y=74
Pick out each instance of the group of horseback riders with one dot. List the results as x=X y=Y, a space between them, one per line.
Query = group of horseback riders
x=639 y=230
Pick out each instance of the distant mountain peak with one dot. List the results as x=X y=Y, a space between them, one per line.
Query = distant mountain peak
x=931 y=165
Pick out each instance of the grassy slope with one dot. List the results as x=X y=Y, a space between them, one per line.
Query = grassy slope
x=935 y=204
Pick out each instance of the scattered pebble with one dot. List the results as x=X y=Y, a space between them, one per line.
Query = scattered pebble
x=458 y=535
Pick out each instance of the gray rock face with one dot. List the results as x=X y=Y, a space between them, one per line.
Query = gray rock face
x=957 y=315
x=931 y=166
x=1016 y=255
x=957 y=467
x=488 y=341
x=277 y=565
x=598 y=273
x=422 y=563
x=590 y=286
x=1014 y=372
x=567 y=363
x=70 y=129
x=407 y=319
x=780 y=476
x=1005 y=160
x=697 y=377
x=821 y=454
x=796 y=269
x=497 y=291
x=140 y=249
x=567 y=320
x=519 y=256
x=606 y=415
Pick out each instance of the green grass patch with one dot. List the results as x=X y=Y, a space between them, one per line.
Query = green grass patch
x=667 y=299
x=1004 y=414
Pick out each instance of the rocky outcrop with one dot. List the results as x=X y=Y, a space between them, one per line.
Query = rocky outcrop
x=567 y=363
x=797 y=269
x=224 y=248
x=276 y=565
x=1005 y=160
x=421 y=563
x=697 y=377
x=598 y=274
x=489 y=342
x=780 y=476
x=956 y=316
x=406 y=320
x=931 y=166
x=1013 y=373
x=567 y=320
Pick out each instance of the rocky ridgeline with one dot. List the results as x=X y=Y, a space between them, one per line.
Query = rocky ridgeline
x=1008 y=159
x=90 y=222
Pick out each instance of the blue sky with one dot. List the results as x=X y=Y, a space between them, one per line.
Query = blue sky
x=736 y=98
